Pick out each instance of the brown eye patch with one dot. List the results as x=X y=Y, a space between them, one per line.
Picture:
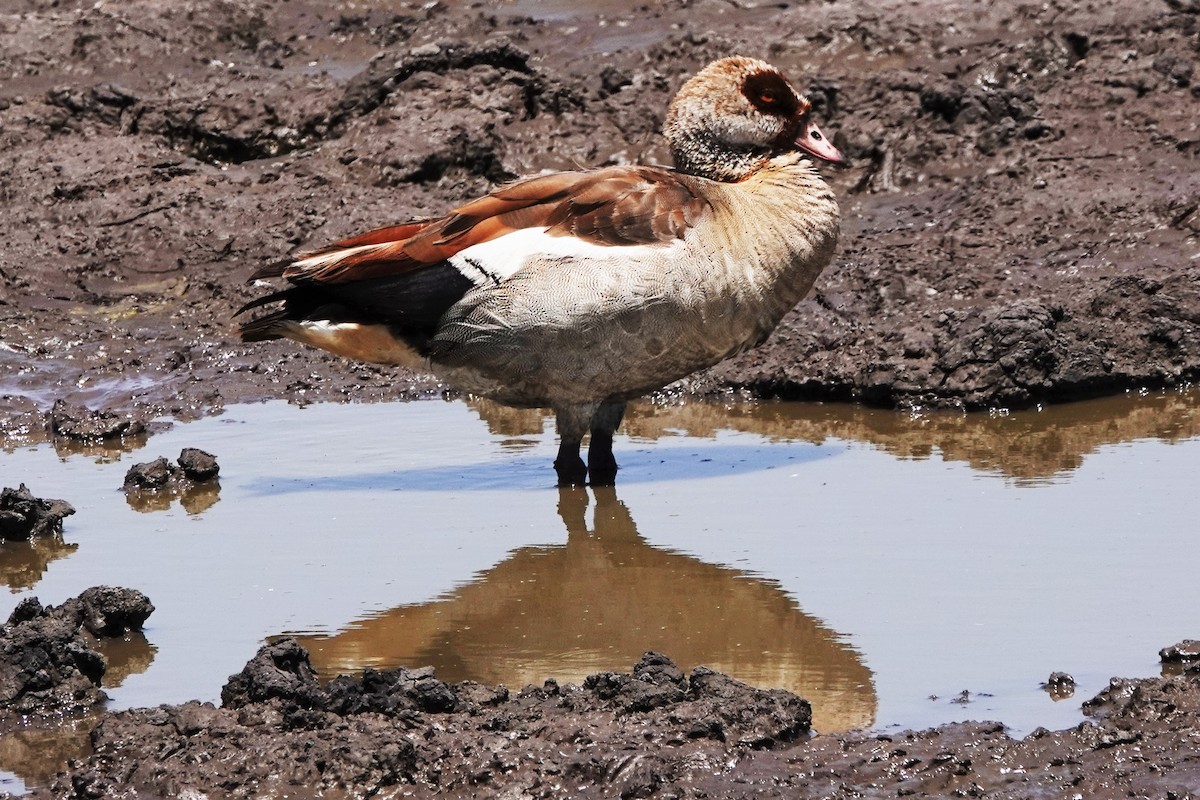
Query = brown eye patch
x=770 y=94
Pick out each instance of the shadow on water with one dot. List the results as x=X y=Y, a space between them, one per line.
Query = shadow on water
x=597 y=603
x=698 y=460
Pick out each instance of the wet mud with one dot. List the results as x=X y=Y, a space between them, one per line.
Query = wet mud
x=1020 y=219
x=1021 y=225
x=652 y=732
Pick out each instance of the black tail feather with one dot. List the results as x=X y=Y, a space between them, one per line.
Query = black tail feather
x=412 y=303
x=265 y=300
x=273 y=270
x=263 y=329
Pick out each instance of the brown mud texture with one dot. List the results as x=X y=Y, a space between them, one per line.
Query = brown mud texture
x=1020 y=225
x=1021 y=216
x=652 y=732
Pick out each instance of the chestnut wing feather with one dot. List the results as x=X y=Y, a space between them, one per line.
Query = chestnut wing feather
x=618 y=206
x=628 y=207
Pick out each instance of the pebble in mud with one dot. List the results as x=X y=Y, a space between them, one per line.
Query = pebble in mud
x=1060 y=685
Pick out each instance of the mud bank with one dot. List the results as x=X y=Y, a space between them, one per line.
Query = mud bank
x=652 y=732
x=1020 y=220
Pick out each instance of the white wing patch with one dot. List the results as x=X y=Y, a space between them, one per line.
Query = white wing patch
x=497 y=260
x=313 y=263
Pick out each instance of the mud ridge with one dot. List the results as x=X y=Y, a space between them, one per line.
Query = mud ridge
x=651 y=732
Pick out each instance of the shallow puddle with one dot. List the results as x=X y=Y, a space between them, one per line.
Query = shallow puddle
x=878 y=564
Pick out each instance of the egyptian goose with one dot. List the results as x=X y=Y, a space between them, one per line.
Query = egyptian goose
x=579 y=291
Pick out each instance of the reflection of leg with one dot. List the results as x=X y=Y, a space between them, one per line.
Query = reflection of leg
x=572 y=423
x=614 y=523
x=601 y=463
x=572 y=508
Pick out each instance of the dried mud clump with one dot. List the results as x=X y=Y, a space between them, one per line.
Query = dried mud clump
x=48 y=660
x=393 y=733
x=23 y=516
x=194 y=466
x=651 y=732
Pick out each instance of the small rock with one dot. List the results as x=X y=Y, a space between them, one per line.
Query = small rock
x=1060 y=685
x=113 y=611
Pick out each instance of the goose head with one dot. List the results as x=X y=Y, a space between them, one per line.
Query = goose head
x=736 y=114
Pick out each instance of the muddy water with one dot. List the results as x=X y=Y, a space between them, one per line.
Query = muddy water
x=876 y=563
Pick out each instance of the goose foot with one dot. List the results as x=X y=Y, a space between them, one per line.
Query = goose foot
x=573 y=421
x=569 y=466
x=602 y=465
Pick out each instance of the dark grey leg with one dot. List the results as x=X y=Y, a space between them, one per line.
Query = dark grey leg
x=602 y=465
x=572 y=423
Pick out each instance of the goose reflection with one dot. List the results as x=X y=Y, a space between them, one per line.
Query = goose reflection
x=597 y=604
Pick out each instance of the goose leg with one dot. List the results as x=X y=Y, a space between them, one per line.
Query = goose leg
x=602 y=465
x=572 y=424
